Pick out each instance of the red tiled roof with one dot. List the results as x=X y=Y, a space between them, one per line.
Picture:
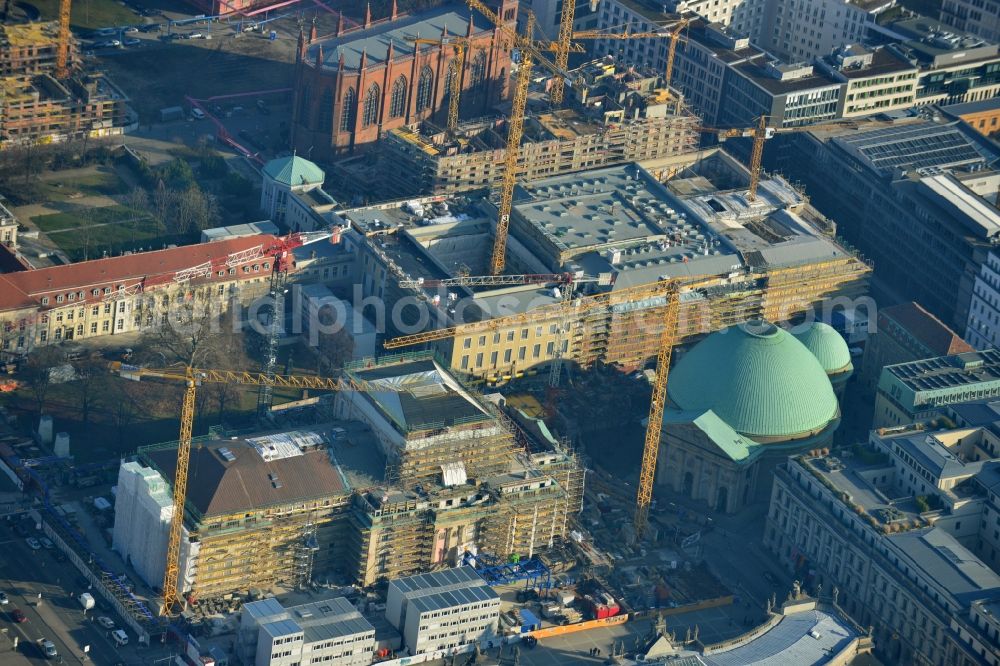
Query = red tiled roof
x=927 y=329
x=26 y=289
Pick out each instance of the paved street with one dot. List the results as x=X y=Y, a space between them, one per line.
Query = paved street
x=24 y=575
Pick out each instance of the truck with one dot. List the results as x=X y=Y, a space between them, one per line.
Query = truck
x=601 y=605
x=87 y=601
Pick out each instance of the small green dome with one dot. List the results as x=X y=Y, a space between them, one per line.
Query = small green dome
x=294 y=171
x=827 y=345
x=759 y=379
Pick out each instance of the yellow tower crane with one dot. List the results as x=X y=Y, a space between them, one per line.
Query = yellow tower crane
x=192 y=378
x=530 y=54
x=671 y=32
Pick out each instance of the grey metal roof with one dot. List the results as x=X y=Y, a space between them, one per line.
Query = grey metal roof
x=264 y=608
x=281 y=628
x=948 y=372
x=939 y=557
x=456 y=597
x=790 y=642
x=374 y=41
x=444 y=589
x=931 y=454
x=979 y=217
x=914 y=146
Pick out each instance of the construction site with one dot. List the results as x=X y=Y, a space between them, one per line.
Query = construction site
x=617 y=116
x=606 y=239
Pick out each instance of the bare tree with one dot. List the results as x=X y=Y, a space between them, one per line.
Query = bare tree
x=36 y=373
x=332 y=351
x=90 y=385
x=125 y=399
x=197 y=334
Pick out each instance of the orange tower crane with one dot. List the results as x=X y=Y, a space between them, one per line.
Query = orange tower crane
x=62 y=47
x=671 y=32
x=192 y=378
x=461 y=45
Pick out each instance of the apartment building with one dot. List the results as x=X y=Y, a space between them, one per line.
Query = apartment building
x=325 y=631
x=914 y=392
x=978 y=17
x=895 y=564
x=904 y=176
x=982 y=116
x=444 y=610
x=983 y=329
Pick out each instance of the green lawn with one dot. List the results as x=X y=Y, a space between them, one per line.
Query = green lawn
x=93 y=242
x=93 y=184
x=88 y=216
x=90 y=14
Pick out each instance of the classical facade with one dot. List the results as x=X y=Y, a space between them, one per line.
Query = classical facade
x=358 y=83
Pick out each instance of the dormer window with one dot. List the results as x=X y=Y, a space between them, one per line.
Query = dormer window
x=59 y=298
x=45 y=300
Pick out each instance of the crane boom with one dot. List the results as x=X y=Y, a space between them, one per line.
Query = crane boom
x=62 y=45
x=654 y=426
x=192 y=378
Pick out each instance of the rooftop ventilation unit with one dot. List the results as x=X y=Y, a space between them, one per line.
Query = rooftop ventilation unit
x=226 y=454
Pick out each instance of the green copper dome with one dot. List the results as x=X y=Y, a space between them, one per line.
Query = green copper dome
x=827 y=345
x=759 y=379
x=294 y=171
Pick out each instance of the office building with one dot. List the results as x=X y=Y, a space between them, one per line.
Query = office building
x=913 y=392
x=897 y=565
x=903 y=333
x=875 y=80
x=983 y=329
x=905 y=176
x=353 y=86
x=955 y=67
x=978 y=17
x=292 y=194
x=326 y=631
x=982 y=116
x=443 y=610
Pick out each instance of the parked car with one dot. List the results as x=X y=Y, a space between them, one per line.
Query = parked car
x=47 y=543
x=131 y=29
x=150 y=27
x=18 y=616
x=3 y=599
x=131 y=41
x=33 y=543
x=106 y=622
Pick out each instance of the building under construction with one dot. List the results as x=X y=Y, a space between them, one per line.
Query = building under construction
x=618 y=116
x=770 y=258
x=42 y=108
x=280 y=508
x=29 y=49
x=40 y=104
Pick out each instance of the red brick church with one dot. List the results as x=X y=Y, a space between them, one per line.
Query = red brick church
x=357 y=83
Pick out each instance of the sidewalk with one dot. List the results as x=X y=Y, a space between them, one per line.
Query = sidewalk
x=8 y=655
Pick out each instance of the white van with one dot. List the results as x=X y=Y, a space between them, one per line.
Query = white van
x=119 y=637
x=197 y=113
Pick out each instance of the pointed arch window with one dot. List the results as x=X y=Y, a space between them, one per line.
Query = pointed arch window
x=424 y=88
x=397 y=104
x=370 y=115
x=479 y=69
x=347 y=109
